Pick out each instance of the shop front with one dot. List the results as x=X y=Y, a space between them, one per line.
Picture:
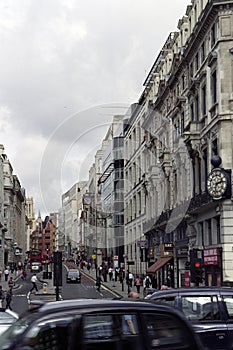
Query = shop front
x=212 y=261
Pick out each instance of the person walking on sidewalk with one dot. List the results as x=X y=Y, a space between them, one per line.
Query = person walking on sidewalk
x=2 y=296
x=6 y=273
x=98 y=283
x=8 y=299
x=110 y=273
x=138 y=284
x=34 y=280
x=11 y=283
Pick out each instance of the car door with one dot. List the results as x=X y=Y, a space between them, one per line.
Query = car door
x=168 y=331
x=227 y=304
x=205 y=314
x=115 y=331
x=53 y=332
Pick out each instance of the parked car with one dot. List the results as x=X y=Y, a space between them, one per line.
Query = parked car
x=73 y=275
x=7 y=317
x=36 y=267
x=209 y=309
x=86 y=324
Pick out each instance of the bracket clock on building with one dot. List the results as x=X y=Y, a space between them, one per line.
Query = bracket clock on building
x=217 y=183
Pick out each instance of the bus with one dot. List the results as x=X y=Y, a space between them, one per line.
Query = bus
x=35 y=256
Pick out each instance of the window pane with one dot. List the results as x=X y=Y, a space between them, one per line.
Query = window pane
x=164 y=330
x=201 y=308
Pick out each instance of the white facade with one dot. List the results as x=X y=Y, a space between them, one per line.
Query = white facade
x=71 y=205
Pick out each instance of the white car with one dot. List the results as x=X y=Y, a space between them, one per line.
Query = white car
x=36 y=267
x=7 y=317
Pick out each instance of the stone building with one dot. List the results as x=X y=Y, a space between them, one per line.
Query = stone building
x=188 y=102
x=135 y=188
x=13 y=236
x=71 y=205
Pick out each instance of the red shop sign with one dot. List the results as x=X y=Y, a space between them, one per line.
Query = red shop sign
x=210 y=256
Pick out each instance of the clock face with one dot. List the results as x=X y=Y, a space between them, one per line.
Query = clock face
x=217 y=183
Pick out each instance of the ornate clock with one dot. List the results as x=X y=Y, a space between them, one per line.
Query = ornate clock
x=217 y=183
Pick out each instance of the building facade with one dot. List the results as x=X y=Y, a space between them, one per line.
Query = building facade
x=188 y=98
x=14 y=229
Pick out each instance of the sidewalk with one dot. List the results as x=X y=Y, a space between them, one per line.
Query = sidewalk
x=15 y=277
x=115 y=286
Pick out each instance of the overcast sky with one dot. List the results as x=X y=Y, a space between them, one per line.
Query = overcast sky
x=66 y=66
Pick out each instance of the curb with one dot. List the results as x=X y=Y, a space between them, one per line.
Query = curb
x=103 y=285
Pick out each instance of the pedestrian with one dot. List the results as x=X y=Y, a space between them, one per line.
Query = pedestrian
x=133 y=295
x=24 y=274
x=110 y=273
x=154 y=282
x=147 y=282
x=8 y=299
x=131 y=278
x=88 y=267
x=34 y=280
x=138 y=283
x=164 y=286
x=0 y=274
x=98 y=283
x=11 y=283
x=6 y=273
x=2 y=296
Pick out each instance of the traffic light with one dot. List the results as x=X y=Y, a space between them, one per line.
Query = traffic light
x=196 y=270
x=57 y=280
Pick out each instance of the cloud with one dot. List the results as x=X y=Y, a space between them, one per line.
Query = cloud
x=66 y=58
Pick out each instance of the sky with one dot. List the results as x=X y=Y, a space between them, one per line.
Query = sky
x=66 y=67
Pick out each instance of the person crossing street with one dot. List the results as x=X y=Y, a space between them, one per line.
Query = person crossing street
x=34 y=280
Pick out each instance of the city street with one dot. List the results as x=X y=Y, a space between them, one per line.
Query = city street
x=86 y=289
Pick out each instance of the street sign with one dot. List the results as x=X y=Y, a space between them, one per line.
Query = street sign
x=130 y=262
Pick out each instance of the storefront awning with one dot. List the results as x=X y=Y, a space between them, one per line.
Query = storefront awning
x=158 y=264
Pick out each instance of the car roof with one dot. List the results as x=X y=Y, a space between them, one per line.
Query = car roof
x=82 y=305
x=192 y=291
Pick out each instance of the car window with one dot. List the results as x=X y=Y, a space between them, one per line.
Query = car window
x=200 y=308
x=98 y=326
x=171 y=300
x=166 y=331
x=105 y=331
x=49 y=334
x=229 y=306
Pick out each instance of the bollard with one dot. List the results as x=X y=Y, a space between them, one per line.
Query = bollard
x=44 y=287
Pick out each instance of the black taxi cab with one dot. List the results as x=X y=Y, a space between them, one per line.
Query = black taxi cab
x=90 y=324
x=209 y=310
